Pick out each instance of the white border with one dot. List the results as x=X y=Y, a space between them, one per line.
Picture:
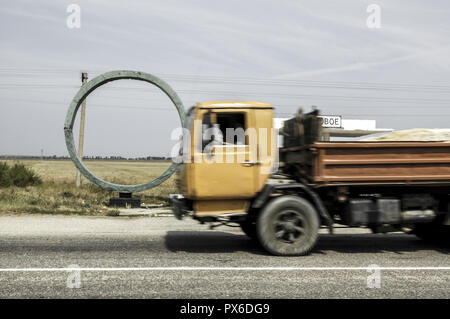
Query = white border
x=215 y=268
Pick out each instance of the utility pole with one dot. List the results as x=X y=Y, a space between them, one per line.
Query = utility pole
x=84 y=78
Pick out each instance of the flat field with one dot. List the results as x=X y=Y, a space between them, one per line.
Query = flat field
x=59 y=195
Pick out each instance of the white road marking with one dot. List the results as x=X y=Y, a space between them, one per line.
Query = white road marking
x=215 y=269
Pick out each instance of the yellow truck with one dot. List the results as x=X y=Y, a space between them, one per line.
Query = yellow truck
x=232 y=173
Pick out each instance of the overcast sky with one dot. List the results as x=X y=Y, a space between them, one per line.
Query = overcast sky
x=288 y=53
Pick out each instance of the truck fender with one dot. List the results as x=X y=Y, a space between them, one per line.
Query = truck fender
x=264 y=195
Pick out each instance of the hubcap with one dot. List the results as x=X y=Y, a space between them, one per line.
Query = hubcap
x=289 y=226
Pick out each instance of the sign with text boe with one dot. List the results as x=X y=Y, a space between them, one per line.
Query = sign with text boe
x=331 y=121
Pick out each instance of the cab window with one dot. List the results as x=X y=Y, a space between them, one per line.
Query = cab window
x=214 y=129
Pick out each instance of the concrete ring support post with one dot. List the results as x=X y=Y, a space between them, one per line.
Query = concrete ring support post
x=84 y=91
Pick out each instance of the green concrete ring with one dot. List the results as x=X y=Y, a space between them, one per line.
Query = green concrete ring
x=84 y=91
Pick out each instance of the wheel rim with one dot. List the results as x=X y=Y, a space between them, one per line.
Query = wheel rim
x=289 y=226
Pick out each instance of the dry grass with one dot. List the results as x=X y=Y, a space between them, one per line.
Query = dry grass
x=59 y=195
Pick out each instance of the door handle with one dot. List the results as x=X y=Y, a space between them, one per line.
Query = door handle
x=248 y=163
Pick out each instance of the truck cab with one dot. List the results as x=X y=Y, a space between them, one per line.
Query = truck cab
x=228 y=156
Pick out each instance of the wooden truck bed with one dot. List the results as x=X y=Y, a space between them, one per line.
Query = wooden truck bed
x=375 y=162
x=345 y=163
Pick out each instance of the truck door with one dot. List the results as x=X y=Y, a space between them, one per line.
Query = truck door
x=225 y=161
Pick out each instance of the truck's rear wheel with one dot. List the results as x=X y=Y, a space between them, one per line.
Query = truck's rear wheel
x=288 y=226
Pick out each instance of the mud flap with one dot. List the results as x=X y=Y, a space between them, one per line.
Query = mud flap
x=178 y=205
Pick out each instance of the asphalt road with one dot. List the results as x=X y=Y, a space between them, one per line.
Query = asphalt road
x=137 y=245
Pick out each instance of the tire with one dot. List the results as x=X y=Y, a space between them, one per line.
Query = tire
x=288 y=226
x=249 y=228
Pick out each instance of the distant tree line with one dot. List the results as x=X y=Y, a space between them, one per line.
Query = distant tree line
x=103 y=158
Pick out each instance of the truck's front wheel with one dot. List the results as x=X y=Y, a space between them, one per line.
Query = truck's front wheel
x=288 y=225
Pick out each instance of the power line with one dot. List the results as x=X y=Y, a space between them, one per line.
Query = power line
x=363 y=85
x=169 y=108
x=257 y=94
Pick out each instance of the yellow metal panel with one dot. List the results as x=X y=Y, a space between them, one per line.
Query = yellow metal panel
x=267 y=145
x=225 y=176
x=218 y=207
x=233 y=104
x=225 y=179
